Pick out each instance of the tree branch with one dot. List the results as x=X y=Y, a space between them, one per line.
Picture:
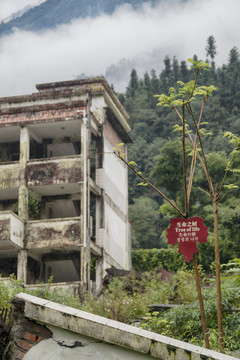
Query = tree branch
x=149 y=183
x=202 y=149
x=184 y=164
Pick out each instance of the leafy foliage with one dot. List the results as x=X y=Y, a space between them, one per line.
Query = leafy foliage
x=187 y=317
x=149 y=259
x=128 y=300
x=154 y=138
x=146 y=224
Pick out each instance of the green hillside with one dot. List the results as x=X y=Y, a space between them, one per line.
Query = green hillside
x=157 y=151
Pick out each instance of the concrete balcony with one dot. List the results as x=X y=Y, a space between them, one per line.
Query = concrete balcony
x=53 y=234
x=9 y=180
x=49 y=176
x=11 y=232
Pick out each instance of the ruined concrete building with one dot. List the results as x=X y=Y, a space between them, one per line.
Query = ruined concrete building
x=63 y=193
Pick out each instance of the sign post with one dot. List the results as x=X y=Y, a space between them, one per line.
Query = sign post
x=187 y=232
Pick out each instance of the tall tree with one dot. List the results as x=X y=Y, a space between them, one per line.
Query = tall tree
x=211 y=48
x=233 y=56
x=184 y=71
x=133 y=83
x=175 y=69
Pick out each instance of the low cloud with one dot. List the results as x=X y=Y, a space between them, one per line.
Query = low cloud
x=143 y=38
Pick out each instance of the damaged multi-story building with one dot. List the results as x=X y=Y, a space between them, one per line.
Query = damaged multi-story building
x=63 y=193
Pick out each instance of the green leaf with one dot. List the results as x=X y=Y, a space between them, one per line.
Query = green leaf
x=231 y=186
x=177 y=127
x=235 y=171
x=132 y=163
x=198 y=64
x=118 y=147
x=142 y=184
x=204 y=133
x=233 y=139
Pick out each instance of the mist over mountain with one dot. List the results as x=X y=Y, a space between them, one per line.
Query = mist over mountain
x=65 y=39
x=52 y=13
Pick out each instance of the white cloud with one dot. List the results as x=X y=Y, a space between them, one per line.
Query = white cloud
x=144 y=37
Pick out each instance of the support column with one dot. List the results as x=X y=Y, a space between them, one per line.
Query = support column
x=99 y=275
x=22 y=266
x=23 y=191
x=85 y=210
x=23 y=199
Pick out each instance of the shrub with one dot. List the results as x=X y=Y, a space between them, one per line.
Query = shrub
x=149 y=259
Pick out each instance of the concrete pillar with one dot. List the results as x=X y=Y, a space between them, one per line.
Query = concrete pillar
x=23 y=191
x=23 y=198
x=99 y=275
x=22 y=266
x=85 y=212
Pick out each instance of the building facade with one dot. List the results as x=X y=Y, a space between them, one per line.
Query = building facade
x=63 y=193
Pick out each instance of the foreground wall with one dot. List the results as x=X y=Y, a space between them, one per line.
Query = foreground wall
x=42 y=330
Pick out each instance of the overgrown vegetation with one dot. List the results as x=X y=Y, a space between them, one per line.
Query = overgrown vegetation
x=150 y=259
x=184 y=101
x=187 y=317
x=157 y=151
x=128 y=300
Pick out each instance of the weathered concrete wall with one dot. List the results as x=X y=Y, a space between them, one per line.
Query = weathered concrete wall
x=97 y=107
x=56 y=233
x=115 y=237
x=12 y=231
x=31 y=112
x=95 y=337
x=9 y=176
x=50 y=172
x=115 y=171
x=68 y=345
x=113 y=179
x=111 y=135
x=5 y=229
x=17 y=231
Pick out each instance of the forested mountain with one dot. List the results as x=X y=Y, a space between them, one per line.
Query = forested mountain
x=52 y=13
x=157 y=151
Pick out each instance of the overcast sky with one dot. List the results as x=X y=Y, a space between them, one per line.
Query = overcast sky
x=90 y=46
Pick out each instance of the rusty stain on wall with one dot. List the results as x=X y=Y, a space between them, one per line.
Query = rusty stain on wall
x=49 y=172
x=9 y=176
x=5 y=229
x=57 y=233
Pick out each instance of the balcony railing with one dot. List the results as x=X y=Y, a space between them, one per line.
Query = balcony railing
x=11 y=231
x=54 y=171
x=54 y=234
x=9 y=176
